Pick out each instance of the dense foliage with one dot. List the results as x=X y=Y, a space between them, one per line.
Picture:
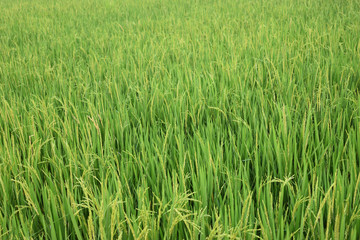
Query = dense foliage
x=183 y=119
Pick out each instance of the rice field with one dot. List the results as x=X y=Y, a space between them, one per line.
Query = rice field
x=159 y=119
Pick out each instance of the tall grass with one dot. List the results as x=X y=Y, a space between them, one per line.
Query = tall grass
x=158 y=119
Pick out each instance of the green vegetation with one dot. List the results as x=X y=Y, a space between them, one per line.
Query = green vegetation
x=159 y=119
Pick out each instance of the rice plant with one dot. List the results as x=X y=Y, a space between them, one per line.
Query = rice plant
x=159 y=119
